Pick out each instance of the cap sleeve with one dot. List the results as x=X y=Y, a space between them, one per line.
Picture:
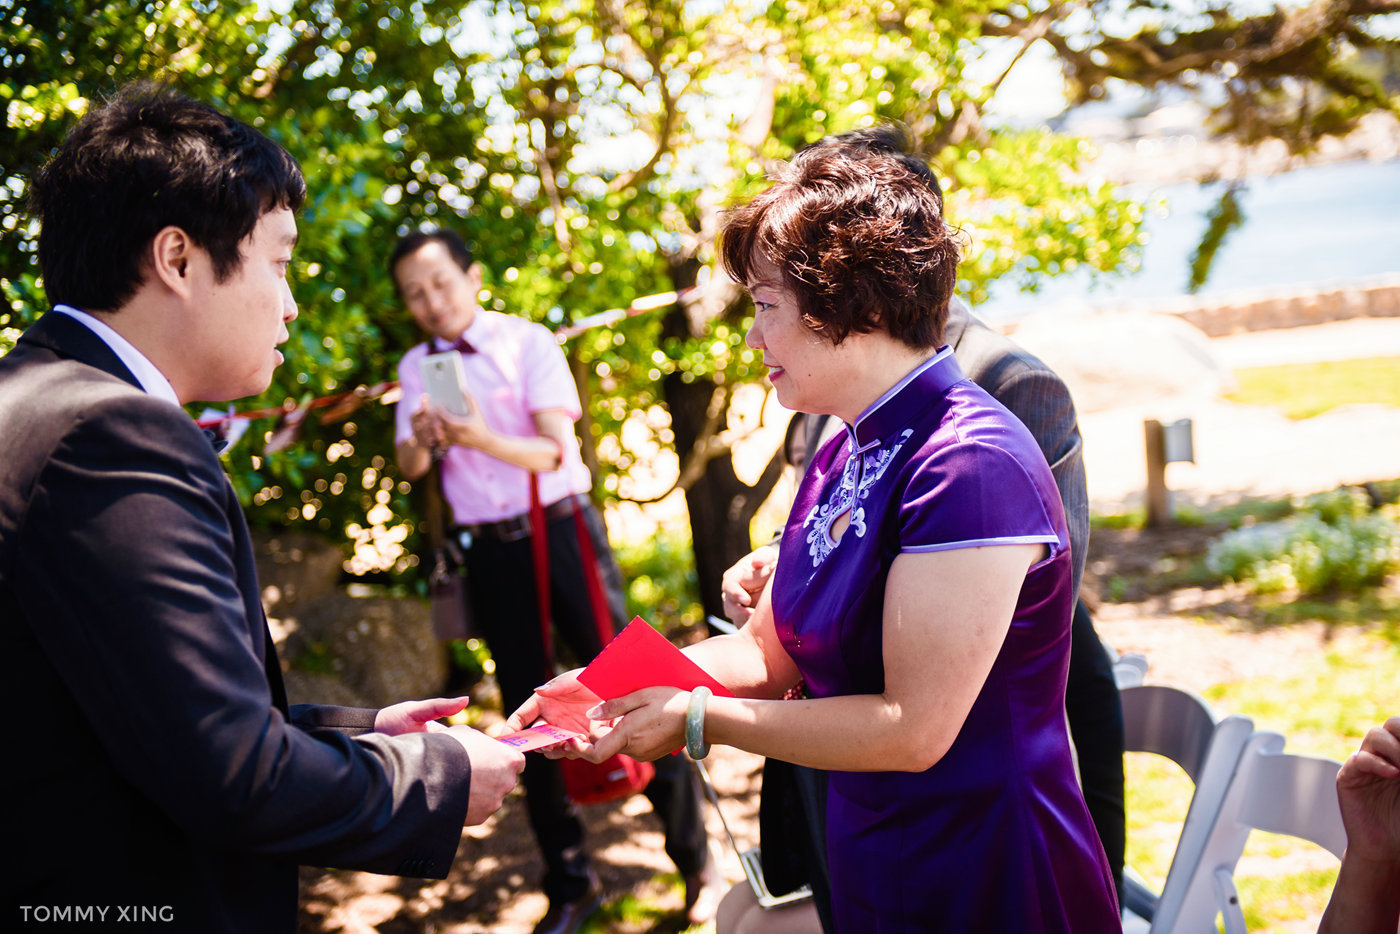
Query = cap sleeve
x=970 y=494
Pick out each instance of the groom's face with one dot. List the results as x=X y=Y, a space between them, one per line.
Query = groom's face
x=238 y=323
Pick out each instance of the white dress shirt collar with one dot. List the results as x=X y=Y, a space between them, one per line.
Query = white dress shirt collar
x=151 y=379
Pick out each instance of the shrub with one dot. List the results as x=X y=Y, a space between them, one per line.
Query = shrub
x=1334 y=544
x=660 y=578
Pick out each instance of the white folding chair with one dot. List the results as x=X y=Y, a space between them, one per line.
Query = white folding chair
x=1274 y=792
x=1129 y=670
x=1179 y=725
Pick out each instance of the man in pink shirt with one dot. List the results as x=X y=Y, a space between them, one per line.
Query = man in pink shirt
x=522 y=403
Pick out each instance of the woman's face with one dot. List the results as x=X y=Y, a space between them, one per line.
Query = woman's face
x=804 y=367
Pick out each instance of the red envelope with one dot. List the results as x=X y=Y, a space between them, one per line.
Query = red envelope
x=538 y=737
x=640 y=657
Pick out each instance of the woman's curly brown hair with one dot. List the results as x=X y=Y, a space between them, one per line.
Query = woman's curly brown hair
x=857 y=229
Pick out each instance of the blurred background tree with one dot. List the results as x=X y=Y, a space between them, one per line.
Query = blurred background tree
x=588 y=148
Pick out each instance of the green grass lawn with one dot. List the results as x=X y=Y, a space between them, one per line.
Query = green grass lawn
x=1304 y=390
x=1323 y=704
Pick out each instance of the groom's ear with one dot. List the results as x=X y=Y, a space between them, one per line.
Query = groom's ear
x=168 y=260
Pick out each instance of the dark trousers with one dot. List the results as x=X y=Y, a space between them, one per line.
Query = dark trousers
x=1095 y=714
x=500 y=578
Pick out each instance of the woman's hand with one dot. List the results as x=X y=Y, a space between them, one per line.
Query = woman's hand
x=645 y=724
x=743 y=584
x=562 y=702
x=1366 y=899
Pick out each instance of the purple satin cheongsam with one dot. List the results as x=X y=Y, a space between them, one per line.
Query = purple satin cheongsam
x=996 y=835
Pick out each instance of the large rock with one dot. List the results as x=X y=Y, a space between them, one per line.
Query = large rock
x=382 y=649
x=295 y=568
x=309 y=687
x=1111 y=359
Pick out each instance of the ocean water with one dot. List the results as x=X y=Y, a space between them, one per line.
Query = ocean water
x=1310 y=229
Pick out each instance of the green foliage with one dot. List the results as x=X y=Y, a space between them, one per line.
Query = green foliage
x=1339 y=505
x=587 y=149
x=1119 y=520
x=1025 y=209
x=650 y=909
x=1156 y=795
x=1251 y=511
x=1308 y=389
x=337 y=83
x=1334 y=544
x=468 y=653
x=1245 y=512
x=1275 y=72
x=1028 y=214
x=1224 y=218
x=1325 y=703
x=630 y=911
x=660 y=577
x=1273 y=901
x=1384 y=491
x=1377 y=607
x=317 y=660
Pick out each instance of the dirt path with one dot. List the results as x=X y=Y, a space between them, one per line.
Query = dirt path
x=494 y=883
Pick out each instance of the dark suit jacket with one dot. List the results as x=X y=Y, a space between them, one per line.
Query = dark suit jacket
x=153 y=760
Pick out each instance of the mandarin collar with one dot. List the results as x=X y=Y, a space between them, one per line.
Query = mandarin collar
x=932 y=378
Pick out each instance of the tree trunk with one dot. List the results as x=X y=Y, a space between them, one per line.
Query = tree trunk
x=720 y=504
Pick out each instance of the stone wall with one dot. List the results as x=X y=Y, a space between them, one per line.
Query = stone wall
x=1236 y=313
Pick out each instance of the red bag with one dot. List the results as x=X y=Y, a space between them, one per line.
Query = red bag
x=610 y=780
x=618 y=776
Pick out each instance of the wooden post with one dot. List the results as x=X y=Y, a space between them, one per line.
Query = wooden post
x=1159 y=508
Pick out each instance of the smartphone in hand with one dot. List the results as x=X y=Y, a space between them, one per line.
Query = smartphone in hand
x=445 y=381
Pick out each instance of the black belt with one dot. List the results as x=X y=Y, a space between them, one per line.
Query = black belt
x=518 y=527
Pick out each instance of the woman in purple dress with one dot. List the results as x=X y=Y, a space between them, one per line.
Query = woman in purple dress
x=922 y=591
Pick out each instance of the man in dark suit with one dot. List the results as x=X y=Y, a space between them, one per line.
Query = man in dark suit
x=156 y=771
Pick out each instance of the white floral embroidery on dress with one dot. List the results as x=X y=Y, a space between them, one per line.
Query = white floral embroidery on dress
x=847 y=497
